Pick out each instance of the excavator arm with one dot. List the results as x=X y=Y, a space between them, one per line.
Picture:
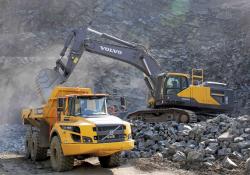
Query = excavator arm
x=124 y=51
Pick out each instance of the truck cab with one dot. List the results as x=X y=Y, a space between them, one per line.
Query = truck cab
x=90 y=113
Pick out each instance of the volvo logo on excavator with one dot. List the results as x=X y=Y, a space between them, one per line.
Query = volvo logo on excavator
x=103 y=48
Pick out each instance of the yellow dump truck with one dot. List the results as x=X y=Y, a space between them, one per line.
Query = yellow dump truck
x=75 y=124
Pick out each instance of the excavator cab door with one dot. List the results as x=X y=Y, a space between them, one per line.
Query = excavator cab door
x=174 y=84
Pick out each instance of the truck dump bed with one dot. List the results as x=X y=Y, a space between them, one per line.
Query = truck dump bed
x=48 y=112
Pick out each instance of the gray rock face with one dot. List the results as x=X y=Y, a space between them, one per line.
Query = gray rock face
x=182 y=35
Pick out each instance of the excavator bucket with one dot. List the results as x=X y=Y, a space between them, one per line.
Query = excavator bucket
x=46 y=80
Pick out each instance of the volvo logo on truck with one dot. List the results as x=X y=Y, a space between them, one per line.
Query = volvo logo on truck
x=111 y=50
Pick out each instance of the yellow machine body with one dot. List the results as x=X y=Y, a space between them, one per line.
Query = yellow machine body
x=200 y=94
x=197 y=92
x=70 y=147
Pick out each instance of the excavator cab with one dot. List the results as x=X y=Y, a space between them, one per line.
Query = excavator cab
x=175 y=83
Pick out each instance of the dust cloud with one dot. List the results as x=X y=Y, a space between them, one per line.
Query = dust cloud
x=17 y=87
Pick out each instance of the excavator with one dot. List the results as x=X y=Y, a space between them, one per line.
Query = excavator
x=173 y=96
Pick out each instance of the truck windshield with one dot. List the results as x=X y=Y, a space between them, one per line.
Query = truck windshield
x=88 y=106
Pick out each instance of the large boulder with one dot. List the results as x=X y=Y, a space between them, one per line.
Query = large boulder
x=179 y=157
x=228 y=163
x=226 y=136
x=195 y=156
x=244 y=144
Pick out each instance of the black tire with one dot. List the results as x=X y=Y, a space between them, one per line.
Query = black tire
x=59 y=162
x=113 y=160
x=28 y=142
x=37 y=153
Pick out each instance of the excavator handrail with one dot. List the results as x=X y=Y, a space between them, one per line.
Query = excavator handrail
x=113 y=38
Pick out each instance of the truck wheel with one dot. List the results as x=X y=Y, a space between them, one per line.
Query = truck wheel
x=37 y=152
x=59 y=162
x=110 y=161
x=28 y=143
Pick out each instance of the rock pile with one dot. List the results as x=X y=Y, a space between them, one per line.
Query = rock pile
x=12 y=138
x=218 y=138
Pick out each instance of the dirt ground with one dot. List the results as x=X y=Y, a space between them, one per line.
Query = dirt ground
x=11 y=163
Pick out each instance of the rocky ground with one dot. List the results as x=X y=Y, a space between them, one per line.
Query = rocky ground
x=16 y=164
x=13 y=163
x=203 y=141
x=12 y=138
x=218 y=146
x=221 y=143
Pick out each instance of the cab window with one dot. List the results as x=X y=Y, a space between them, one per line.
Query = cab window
x=71 y=106
x=90 y=106
x=175 y=84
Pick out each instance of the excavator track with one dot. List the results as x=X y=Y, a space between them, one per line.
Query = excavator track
x=164 y=115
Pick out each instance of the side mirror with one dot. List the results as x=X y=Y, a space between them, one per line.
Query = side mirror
x=60 y=104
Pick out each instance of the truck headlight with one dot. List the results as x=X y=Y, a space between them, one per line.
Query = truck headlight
x=86 y=139
x=71 y=128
